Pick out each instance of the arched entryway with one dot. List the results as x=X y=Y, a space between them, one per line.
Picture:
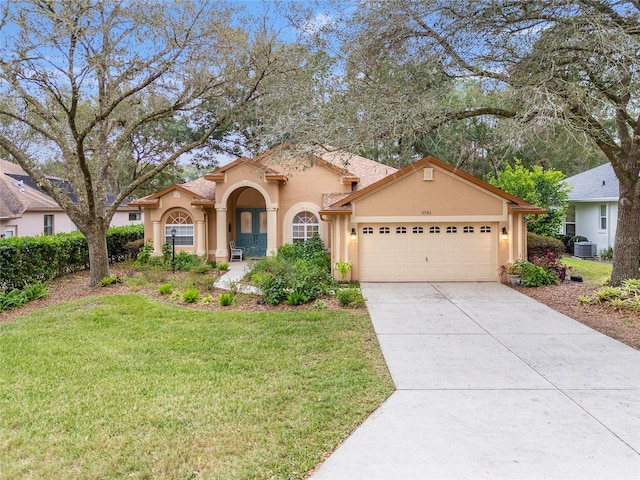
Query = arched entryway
x=250 y=222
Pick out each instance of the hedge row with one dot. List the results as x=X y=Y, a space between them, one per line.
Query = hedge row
x=24 y=260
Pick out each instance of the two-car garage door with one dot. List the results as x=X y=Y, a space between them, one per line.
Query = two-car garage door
x=406 y=252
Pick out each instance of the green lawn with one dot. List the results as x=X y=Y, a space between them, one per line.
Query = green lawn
x=594 y=272
x=125 y=387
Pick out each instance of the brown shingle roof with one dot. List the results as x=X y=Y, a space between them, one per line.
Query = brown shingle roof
x=368 y=171
x=16 y=197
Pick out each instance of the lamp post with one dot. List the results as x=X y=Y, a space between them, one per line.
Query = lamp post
x=173 y=250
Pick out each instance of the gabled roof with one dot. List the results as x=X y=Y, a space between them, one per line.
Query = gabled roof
x=269 y=173
x=515 y=202
x=597 y=184
x=366 y=171
x=202 y=191
x=19 y=193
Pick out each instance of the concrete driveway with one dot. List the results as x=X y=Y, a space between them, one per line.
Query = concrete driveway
x=492 y=384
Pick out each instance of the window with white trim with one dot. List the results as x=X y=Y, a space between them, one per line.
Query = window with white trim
x=485 y=229
x=401 y=230
x=434 y=229
x=135 y=216
x=603 y=217
x=452 y=229
x=182 y=223
x=467 y=229
x=570 y=221
x=305 y=226
x=418 y=230
x=367 y=230
x=385 y=230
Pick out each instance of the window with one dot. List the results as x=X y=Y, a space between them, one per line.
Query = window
x=9 y=233
x=570 y=221
x=452 y=229
x=48 y=224
x=135 y=216
x=485 y=229
x=384 y=230
x=418 y=230
x=434 y=229
x=183 y=225
x=305 y=226
x=467 y=229
x=401 y=230
x=603 y=217
x=367 y=230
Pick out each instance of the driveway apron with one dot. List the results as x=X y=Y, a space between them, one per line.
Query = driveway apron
x=492 y=384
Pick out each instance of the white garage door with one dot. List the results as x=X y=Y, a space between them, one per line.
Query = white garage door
x=398 y=252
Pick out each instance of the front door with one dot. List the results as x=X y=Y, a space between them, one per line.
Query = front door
x=252 y=231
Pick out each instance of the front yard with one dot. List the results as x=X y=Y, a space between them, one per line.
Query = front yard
x=125 y=385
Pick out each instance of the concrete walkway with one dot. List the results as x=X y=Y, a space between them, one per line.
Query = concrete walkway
x=492 y=384
x=232 y=278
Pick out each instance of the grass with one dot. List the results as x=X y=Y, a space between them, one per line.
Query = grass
x=121 y=386
x=594 y=272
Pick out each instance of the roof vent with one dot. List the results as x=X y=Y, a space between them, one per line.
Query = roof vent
x=19 y=183
x=427 y=173
x=603 y=183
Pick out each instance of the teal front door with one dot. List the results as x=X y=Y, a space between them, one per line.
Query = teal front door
x=252 y=231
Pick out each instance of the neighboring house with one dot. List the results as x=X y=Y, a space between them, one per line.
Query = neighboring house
x=593 y=206
x=426 y=222
x=26 y=210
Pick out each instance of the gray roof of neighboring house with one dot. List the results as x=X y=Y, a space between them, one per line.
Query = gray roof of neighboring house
x=599 y=183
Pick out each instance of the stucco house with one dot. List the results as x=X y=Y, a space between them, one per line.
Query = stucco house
x=426 y=222
x=593 y=206
x=26 y=210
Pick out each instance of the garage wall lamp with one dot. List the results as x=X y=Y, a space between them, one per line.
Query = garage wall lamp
x=505 y=235
x=354 y=236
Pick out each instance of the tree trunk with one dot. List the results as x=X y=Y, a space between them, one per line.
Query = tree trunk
x=98 y=254
x=626 y=251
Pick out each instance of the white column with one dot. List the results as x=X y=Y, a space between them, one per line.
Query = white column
x=272 y=231
x=199 y=237
x=221 y=233
x=157 y=238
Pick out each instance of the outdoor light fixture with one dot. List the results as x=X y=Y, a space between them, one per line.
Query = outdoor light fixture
x=353 y=235
x=173 y=250
x=504 y=233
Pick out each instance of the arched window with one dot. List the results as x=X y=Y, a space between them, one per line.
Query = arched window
x=305 y=226
x=183 y=225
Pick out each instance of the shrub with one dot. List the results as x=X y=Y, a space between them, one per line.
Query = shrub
x=166 y=289
x=191 y=295
x=185 y=261
x=223 y=267
x=12 y=299
x=534 y=276
x=350 y=297
x=296 y=298
x=538 y=245
x=144 y=255
x=225 y=299
x=320 y=304
x=344 y=268
x=551 y=263
x=201 y=269
x=110 y=280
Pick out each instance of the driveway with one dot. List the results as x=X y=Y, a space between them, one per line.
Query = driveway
x=492 y=384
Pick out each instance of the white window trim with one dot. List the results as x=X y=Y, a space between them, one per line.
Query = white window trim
x=604 y=217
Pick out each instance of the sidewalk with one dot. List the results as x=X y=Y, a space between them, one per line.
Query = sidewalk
x=234 y=275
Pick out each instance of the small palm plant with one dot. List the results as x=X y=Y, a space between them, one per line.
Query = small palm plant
x=344 y=267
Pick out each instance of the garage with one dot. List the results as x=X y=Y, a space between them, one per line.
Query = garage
x=410 y=252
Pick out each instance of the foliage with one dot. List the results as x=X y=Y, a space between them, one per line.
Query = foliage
x=166 y=288
x=350 y=297
x=344 y=267
x=201 y=269
x=233 y=395
x=513 y=268
x=535 y=276
x=299 y=273
x=606 y=253
x=320 y=304
x=191 y=295
x=592 y=271
x=225 y=299
x=223 y=267
x=16 y=297
x=540 y=187
x=144 y=255
x=539 y=245
x=110 y=280
x=552 y=263
x=25 y=260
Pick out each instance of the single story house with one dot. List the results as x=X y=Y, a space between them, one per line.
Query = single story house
x=593 y=206
x=426 y=222
x=26 y=210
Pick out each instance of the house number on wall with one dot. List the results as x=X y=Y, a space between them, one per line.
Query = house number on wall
x=426 y=212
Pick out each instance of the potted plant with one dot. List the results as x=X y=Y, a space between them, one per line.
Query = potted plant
x=514 y=271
